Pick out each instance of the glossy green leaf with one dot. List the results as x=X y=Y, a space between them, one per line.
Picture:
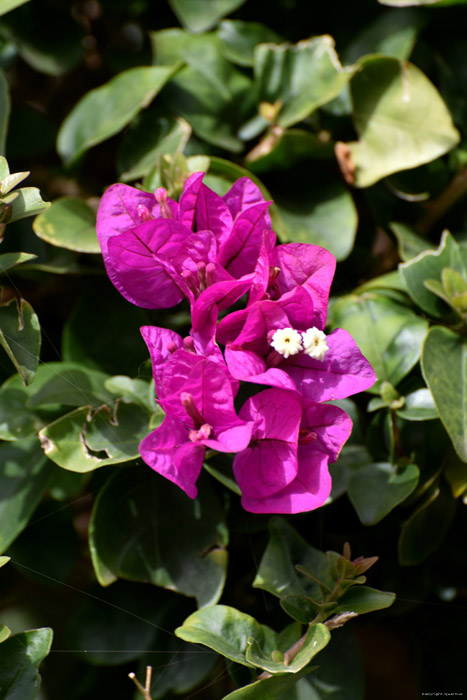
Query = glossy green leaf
x=7 y=5
x=444 y=365
x=201 y=15
x=391 y=33
x=69 y=223
x=429 y=265
x=418 y=405
x=212 y=95
x=300 y=608
x=26 y=201
x=425 y=530
x=20 y=656
x=9 y=182
x=281 y=149
x=105 y=110
x=148 y=139
x=351 y=458
x=84 y=440
x=71 y=384
x=4 y=107
x=286 y=549
x=376 y=489
x=388 y=334
x=394 y=102
x=238 y=39
x=134 y=535
x=20 y=337
x=409 y=244
x=455 y=472
x=317 y=637
x=24 y=477
x=227 y=631
x=362 y=599
x=303 y=76
x=9 y=260
x=327 y=217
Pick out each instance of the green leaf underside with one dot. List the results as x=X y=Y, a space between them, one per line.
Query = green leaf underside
x=133 y=535
x=105 y=110
x=444 y=365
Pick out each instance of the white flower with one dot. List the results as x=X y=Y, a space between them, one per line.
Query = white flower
x=287 y=341
x=314 y=343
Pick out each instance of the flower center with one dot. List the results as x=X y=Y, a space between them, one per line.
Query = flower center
x=315 y=344
x=287 y=341
x=202 y=433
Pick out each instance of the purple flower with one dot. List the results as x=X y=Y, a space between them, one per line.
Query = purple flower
x=197 y=396
x=276 y=343
x=285 y=467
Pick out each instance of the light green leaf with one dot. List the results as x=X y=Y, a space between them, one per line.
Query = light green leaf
x=201 y=15
x=212 y=95
x=317 y=637
x=105 y=110
x=429 y=265
x=269 y=688
x=69 y=223
x=239 y=39
x=419 y=405
x=134 y=535
x=376 y=489
x=362 y=599
x=303 y=76
x=20 y=337
x=26 y=201
x=9 y=182
x=5 y=632
x=444 y=366
x=8 y=260
x=3 y=561
x=388 y=334
x=24 y=477
x=409 y=244
x=4 y=107
x=84 y=440
x=227 y=631
x=426 y=529
x=7 y=5
x=400 y=118
x=391 y=33
x=147 y=140
x=71 y=384
x=327 y=217
x=20 y=656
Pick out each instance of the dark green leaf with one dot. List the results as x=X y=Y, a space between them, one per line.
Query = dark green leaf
x=269 y=688
x=104 y=111
x=20 y=656
x=378 y=488
x=238 y=39
x=279 y=150
x=133 y=535
x=8 y=260
x=409 y=244
x=69 y=223
x=391 y=33
x=444 y=365
x=419 y=405
x=20 y=337
x=24 y=477
x=300 y=608
x=199 y=15
x=361 y=599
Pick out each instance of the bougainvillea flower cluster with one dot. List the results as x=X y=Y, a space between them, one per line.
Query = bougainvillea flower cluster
x=217 y=252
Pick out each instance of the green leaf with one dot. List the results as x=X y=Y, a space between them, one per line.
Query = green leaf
x=409 y=244
x=20 y=337
x=5 y=632
x=84 y=440
x=286 y=549
x=455 y=472
x=134 y=535
x=376 y=489
x=8 y=260
x=26 y=201
x=351 y=458
x=212 y=95
x=71 y=384
x=303 y=76
x=444 y=366
x=69 y=223
x=269 y=688
x=147 y=140
x=300 y=608
x=429 y=265
x=9 y=182
x=105 y=110
x=388 y=334
x=419 y=405
x=20 y=656
x=317 y=637
x=24 y=477
x=279 y=149
x=4 y=107
x=391 y=33
x=362 y=599
x=3 y=561
x=239 y=39
x=425 y=530
x=326 y=217
x=201 y=15
x=407 y=3
x=394 y=102
x=227 y=631
x=7 y=5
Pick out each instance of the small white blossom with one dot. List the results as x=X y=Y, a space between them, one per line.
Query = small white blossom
x=314 y=343
x=287 y=341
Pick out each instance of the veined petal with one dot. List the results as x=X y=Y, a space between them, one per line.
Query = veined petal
x=240 y=250
x=242 y=195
